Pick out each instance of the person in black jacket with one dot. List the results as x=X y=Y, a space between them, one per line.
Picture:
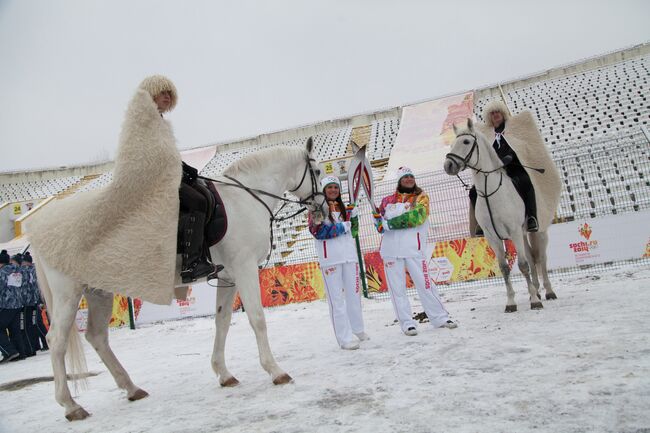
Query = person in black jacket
x=514 y=170
x=31 y=299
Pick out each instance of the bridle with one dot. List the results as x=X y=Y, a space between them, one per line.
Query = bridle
x=466 y=162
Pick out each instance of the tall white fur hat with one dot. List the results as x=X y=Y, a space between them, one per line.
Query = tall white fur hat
x=327 y=180
x=156 y=84
x=492 y=106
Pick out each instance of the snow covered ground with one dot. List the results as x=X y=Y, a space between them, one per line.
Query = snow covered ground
x=580 y=365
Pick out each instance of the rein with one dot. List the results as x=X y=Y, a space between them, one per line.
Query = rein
x=273 y=217
x=466 y=161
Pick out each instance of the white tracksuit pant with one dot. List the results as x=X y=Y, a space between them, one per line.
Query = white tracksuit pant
x=418 y=269
x=343 y=297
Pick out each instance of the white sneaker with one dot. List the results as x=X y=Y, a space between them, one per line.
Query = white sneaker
x=362 y=336
x=350 y=346
x=411 y=331
x=449 y=324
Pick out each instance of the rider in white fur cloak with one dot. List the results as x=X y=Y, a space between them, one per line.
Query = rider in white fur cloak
x=518 y=143
x=136 y=215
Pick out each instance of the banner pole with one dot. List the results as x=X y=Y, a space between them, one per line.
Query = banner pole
x=131 y=316
x=362 y=268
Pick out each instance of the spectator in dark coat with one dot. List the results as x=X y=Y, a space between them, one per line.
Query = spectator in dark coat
x=11 y=346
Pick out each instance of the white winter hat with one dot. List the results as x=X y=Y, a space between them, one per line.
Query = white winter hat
x=327 y=180
x=403 y=171
x=156 y=84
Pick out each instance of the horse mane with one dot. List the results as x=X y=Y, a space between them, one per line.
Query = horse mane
x=258 y=160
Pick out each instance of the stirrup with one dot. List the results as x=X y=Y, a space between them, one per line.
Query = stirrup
x=531 y=224
x=215 y=275
x=190 y=274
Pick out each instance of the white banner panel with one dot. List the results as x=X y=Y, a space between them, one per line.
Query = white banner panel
x=201 y=301
x=598 y=240
x=426 y=132
x=199 y=158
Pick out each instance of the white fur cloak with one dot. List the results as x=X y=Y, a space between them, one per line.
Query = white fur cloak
x=522 y=135
x=121 y=238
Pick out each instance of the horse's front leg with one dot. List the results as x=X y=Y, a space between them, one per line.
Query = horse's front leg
x=226 y=292
x=249 y=291
x=523 y=260
x=499 y=250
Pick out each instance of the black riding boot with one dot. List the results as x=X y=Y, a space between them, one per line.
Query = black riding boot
x=195 y=263
x=531 y=210
x=524 y=187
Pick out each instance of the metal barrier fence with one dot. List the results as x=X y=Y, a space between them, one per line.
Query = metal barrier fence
x=610 y=176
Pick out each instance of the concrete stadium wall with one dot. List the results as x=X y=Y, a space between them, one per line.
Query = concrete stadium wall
x=8 y=216
x=55 y=173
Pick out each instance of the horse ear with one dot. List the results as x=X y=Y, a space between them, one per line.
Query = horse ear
x=455 y=128
x=310 y=145
x=470 y=124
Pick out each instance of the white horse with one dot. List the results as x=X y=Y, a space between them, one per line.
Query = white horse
x=245 y=244
x=500 y=212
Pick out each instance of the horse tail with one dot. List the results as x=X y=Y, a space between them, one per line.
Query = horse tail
x=75 y=357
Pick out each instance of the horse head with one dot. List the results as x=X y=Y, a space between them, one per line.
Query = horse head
x=462 y=150
x=307 y=180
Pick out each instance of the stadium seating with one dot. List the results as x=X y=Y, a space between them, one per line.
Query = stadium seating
x=24 y=191
x=611 y=99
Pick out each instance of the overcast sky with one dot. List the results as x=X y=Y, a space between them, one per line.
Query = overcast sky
x=69 y=67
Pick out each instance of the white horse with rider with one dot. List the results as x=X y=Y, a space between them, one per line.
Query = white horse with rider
x=500 y=210
x=85 y=244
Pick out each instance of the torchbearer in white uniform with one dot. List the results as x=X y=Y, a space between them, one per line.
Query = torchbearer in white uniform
x=337 y=256
x=403 y=219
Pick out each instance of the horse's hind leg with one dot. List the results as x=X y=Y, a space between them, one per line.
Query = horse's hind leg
x=100 y=308
x=64 y=302
x=249 y=290
x=225 y=298
x=524 y=261
x=539 y=245
x=532 y=263
x=497 y=246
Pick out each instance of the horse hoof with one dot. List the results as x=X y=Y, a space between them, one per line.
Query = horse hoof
x=551 y=296
x=230 y=382
x=282 y=379
x=77 y=415
x=139 y=395
x=511 y=308
x=536 y=305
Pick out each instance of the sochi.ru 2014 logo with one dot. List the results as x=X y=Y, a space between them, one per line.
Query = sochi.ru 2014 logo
x=582 y=246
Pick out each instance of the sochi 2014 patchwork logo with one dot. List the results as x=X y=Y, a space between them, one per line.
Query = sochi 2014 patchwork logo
x=585 y=231
x=584 y=249
x=329 y=271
